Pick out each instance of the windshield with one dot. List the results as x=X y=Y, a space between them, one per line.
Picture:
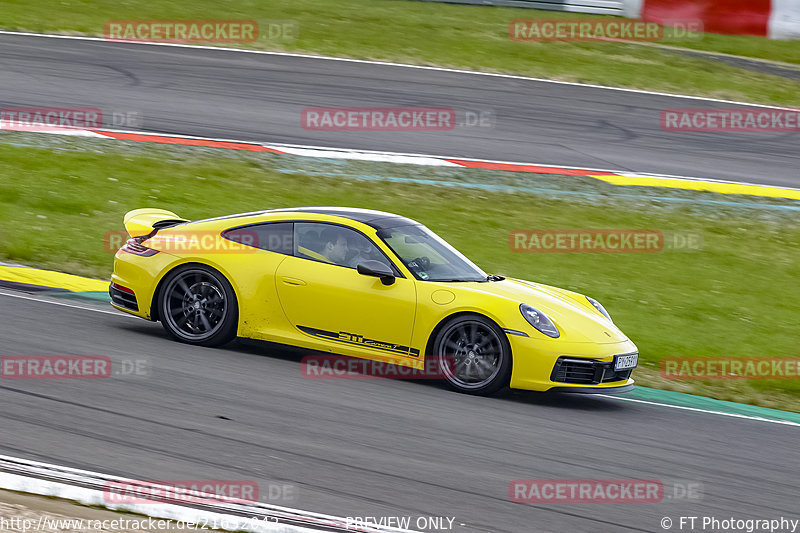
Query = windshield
x=428 y=256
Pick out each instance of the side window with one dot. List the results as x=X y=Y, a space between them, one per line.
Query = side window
x=274 y=237
x=334 y=244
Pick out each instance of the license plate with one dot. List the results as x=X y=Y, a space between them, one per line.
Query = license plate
x=624 y=362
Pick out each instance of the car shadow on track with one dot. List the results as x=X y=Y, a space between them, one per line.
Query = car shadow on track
x=565 y=400
x=571 y=401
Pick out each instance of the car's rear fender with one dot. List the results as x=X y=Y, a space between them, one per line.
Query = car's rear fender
x=154 y=312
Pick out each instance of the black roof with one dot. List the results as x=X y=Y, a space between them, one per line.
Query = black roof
x=376 y=219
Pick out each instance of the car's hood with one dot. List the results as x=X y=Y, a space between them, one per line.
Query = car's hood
x=574 y=316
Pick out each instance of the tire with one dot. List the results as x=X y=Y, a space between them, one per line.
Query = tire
x=197 y=306
x=473 y=354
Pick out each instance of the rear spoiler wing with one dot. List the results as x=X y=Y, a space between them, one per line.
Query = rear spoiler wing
x=142 y=222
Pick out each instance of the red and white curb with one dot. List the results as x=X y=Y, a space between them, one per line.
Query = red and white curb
x=90 y=488
x=615 y=177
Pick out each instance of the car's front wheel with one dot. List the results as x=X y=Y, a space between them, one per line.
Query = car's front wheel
x=198 y=306
x=474 y=355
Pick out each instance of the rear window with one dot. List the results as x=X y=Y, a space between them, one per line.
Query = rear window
x=274 y=237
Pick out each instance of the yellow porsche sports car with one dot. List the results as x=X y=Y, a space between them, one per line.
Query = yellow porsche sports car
x=366 y=284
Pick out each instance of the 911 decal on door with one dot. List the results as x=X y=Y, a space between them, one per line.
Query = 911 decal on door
x=352 y=338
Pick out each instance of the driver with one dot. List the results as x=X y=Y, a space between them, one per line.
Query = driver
x=334 y=246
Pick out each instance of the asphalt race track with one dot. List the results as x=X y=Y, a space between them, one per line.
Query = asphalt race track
x=256 y=97
x=373 y=447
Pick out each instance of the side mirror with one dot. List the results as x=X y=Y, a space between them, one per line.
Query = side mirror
x=377 y=269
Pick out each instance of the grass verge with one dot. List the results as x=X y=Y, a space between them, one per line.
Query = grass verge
x=734 y=297
x=461 y=36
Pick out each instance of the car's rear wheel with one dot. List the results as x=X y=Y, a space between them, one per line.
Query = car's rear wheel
x=198 y=306
x=473 y=354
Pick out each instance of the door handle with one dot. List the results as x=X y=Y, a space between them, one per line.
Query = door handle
x=292 y=281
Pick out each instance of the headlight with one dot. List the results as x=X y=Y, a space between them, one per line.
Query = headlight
x=539 y=320
x=599 y=307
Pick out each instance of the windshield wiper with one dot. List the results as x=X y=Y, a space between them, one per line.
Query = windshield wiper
x=494 y=277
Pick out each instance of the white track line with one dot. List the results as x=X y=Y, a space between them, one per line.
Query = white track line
x=707 y=411
x=391 y=64
x=286 y=147
x=357 y=155
x=65 y=304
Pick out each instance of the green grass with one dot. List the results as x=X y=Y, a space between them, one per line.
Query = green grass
x=735 y=297
x=743 y=45
x=462 y=36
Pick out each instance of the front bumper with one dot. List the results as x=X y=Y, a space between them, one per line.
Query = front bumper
x=587 y=372
x=542 y=365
